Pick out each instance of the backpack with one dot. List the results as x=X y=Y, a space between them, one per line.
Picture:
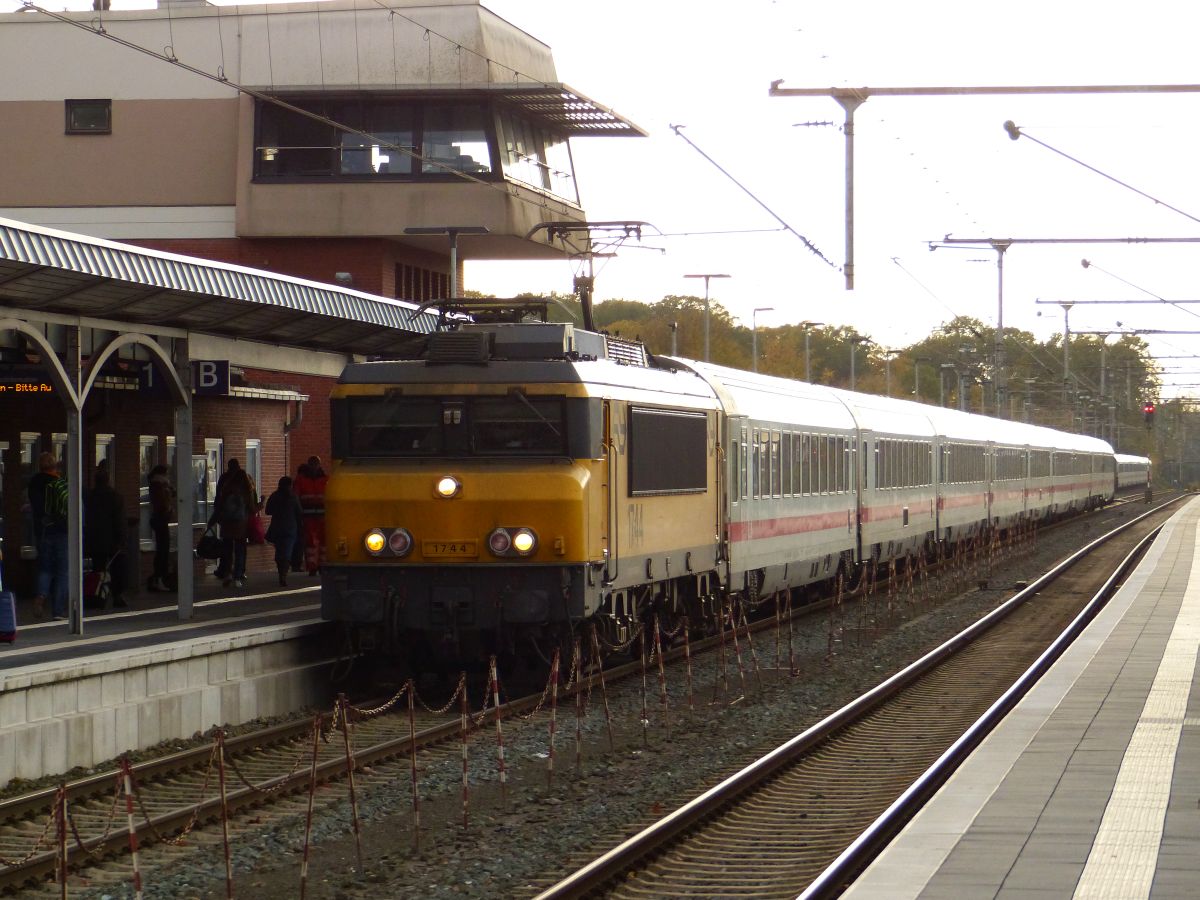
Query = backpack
x=233 y=506
x=55 y=510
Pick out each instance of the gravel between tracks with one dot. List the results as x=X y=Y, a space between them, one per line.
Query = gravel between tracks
x=543 y=832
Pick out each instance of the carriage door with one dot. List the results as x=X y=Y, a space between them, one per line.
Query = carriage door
x=611 y=473
x=863 y=489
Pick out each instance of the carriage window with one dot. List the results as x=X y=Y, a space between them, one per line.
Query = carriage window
x=786 y=464
x=735 y=478
x=776 y=481
x=745 y=470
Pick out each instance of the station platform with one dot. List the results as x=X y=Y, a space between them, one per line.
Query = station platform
x=1090 y=787
x=140 y=676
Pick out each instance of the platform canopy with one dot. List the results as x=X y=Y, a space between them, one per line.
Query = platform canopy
x=69 y=274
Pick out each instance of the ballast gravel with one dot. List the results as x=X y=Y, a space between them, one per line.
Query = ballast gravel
x=521 y=843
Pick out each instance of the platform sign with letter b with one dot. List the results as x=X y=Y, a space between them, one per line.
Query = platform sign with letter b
x=210 y=377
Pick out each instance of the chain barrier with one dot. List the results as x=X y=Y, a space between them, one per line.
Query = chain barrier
x=350 y=766
x=284 y=780
x=112 y=817
x=50 y=820
x=753 y=654
x=379 y=710
x=178 y=839
x=494 y=675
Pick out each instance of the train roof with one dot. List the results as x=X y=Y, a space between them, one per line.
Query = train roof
x=1129 y=458
x=776 y=399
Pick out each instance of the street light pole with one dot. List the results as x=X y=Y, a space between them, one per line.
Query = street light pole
x=855 y=340
x=707 y=277
x=888 y=355
x=1066 y=307
x=917 y=376
x=942 y=382
x=808 y=327
x=754 y=335
x=1001 y=380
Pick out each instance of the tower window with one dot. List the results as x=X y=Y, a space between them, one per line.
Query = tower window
x=89 y=116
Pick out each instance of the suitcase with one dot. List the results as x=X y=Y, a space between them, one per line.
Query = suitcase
x=8 y=615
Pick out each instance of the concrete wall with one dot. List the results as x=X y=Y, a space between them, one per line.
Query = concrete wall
x=57 y=716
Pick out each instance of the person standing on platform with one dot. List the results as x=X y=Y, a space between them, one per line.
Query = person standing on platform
x=162 y=508
x=287 y=525
x=310 y=486
x=233 y=504
x=104 y=531
x=48 y=504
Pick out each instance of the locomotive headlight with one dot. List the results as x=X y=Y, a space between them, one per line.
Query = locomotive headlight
x=374 y=541
x=447 y=486
x=499 y=542
x=400 y=542
x=524 y=541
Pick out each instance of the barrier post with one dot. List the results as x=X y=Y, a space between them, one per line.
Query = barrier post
x=412 y=743
x=60 y=809
x=224 y=813
x=721 y=675
x=753 y=654
x=687 y=656
x=464 y=715
x=312 y=791
x=127 y=779
x=778 y=624
x=603 y=687
x=495 y=676
x=662 y=679
x=737 y=650
x=344 y=706
x=577 y=664
x=553 y=716
x=645 y=709
x=791 y=650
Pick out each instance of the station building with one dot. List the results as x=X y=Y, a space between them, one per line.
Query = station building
x=208 y=211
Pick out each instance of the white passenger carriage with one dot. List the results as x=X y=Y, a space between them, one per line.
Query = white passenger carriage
x=790 y=503
x=1133 y=472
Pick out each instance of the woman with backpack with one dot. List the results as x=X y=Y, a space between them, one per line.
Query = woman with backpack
x=233 y=505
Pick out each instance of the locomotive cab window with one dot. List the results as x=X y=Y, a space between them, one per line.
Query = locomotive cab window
x=512 y=425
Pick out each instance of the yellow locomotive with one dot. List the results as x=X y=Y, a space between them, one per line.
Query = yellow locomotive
x=510 y=481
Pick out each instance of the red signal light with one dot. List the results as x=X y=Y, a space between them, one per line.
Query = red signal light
x=1148 y=408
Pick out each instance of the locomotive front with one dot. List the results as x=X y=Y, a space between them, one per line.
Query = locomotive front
x=462 y=512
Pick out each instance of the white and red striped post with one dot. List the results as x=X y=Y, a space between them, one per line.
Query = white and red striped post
x=553 y=716
x=750 y=644
x=60 y=811
x=127 y=780
x=737 y=650
x=495 y=677
x=465 y=723
x=603 y=687
x=344 y=706
x=721 y=675
x=687 y=655
x=662 y=678
x=312 y=792
x=645 y=688
x=224 y=813
x=778 y=623
x=412 y=742
x=577 y=664
x=791 y=649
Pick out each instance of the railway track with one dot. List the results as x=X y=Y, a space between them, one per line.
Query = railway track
x=773 y=828
x=179 y=792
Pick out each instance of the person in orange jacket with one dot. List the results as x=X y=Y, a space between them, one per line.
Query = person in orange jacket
x=309 y=486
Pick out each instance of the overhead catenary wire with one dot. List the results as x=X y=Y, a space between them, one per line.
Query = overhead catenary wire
x=678 y=129
x=1015 y=132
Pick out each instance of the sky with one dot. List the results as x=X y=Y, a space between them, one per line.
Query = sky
x=925 y=167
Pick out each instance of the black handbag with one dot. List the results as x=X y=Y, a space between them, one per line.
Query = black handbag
x=209 y=546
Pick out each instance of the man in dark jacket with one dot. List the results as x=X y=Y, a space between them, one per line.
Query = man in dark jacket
x=47 y=493
x=104 y=532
